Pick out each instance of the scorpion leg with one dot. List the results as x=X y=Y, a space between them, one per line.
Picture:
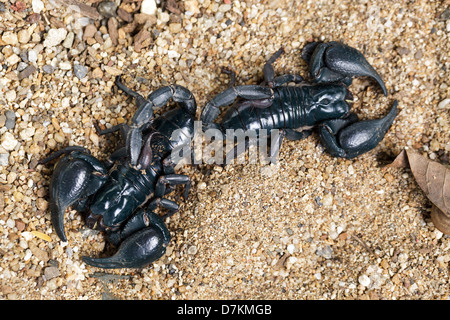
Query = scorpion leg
x=227 y=97
x=291 y=134
x=171 y=180
x=334 y=61
x=349 y=138
x=76 y=176
x=269 y=73
x=145 y=240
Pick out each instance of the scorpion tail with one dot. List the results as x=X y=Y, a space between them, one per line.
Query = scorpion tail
x=334 y=61
x=137 y=251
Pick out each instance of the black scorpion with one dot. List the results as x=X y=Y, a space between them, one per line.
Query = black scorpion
x=296 y=109
x=119 y=196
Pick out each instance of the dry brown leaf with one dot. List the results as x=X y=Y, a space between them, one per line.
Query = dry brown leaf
x=401 y=161
x=434 y=179
x=440 y=220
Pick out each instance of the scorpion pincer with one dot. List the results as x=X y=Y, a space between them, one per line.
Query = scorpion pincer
x=118 y=196
x=296 y=109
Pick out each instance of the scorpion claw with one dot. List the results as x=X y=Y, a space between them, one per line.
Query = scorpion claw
x=137 y=251
x=74 y=178
x=356 y=137
x=334 y=61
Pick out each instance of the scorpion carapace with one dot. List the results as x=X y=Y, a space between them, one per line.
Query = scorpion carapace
x=296 y=109
x=119 y=195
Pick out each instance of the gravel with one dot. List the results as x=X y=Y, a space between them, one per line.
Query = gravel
x=308 y=227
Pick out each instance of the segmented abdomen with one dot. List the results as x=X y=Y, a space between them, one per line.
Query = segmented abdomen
x=285 y=112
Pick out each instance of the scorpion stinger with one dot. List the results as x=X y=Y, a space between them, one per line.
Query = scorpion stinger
x=335 y=61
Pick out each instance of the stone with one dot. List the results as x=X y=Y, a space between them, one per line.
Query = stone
x=89 y=31
x=8 y=141
x=23 y=36
x=97 y=73
x=148 y=7
x=27 y=133
x=27 y=72
x=51 y=272
x=364 y=280
x=192 y=6
x=10 y=38
x=68 y=41
x=10 y=122
x=4 y=159
x=80 y=71
x=32 y=56
x=37 y=6
x=113 y=71
x=13 y=59
x=54 y=37
x=175 y=27
x=444 y=104
x=48 y=69
x=107 y=9
x=11 y=95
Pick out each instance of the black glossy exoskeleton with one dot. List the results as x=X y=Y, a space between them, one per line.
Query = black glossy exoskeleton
x=119 y=195
x=296 y=109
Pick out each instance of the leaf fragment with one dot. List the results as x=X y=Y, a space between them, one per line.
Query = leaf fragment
x=433 y=178
x=41 y=235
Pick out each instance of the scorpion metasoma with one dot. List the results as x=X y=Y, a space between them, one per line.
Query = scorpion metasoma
x=119 y=195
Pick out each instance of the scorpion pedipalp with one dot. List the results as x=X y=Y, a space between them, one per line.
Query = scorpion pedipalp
x=335 y=61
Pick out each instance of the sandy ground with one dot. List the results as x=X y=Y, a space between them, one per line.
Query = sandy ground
x=308 y=227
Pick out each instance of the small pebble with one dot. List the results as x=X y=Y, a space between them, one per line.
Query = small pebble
x=148 y=7
x=37 y=6
x=325 y=252
x=364 y=280
x=4 y=159
x=80 y=71
x=192 y=250
x=28 y=71
x=27 y=133
x=107 y=9
x=48 y=69
x=21 y=66
x=10 y=38
x=89 y=31
x=444 y=104
x=55 y=37
x=51 y=272
x=32 y=56
x=65 y=65
x=68 y=41
x=13 y=59
x=23 y=36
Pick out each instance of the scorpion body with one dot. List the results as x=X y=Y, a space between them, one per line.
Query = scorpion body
x=283 y=113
